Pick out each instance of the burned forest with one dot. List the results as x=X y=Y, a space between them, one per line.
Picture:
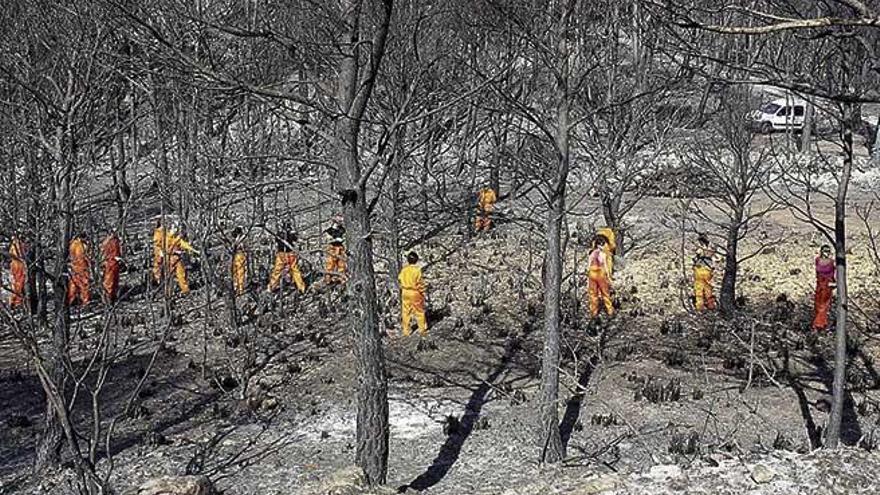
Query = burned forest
x=488 y=247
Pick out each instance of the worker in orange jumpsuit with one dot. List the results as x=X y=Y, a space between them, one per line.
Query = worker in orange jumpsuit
x=412 y=296
x=703 y=260
x=173 y=246
x=486 y=199
x=239 y=261
x=158 y=251
x=79 y=281
x=599 y=275
x=111 y=256
x=18 y=269
x=336 y=263
x=286 y=260
x=825 y=283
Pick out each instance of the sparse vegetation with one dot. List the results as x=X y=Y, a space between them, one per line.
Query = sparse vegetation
x=223 y=143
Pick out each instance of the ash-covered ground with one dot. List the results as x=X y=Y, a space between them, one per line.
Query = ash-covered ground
x=655 y=400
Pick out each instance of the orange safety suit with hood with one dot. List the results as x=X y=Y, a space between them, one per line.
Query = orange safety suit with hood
x=111 y=256
x=78 y=285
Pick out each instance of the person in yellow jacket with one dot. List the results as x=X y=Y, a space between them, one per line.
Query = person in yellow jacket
x=599 y=277
x=239 y=261
x=171 y=247
x=703 y=260
x=486 y=199
x=412 y=296
x=79 y=280
x=286 y=260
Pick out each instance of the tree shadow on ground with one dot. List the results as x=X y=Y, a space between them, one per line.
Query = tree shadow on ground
x=451 y=448
x=573 y=406
x=850 y=429
x=814 y=432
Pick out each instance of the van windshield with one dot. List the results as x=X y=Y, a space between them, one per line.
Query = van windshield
x=770 y=108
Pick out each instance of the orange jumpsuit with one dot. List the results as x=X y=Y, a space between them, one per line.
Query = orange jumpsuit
x=704 y=297
x=111 y=254
x=335 y=263
x=79 y=281
x=239 y=270
x=485 y=205
x=286 y=260
x=412 y=299
x=174 y=245
x=599 y=285
x=18 y=267
x=825 y=276
x=335 y=266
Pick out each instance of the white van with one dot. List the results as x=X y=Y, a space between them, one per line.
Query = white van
x=780 y=114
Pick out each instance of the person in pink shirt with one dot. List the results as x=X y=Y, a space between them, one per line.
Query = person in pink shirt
x=825 y=283
x=599 y=278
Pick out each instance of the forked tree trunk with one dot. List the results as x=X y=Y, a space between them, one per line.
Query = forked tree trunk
x=832 y=437
x=353 y=93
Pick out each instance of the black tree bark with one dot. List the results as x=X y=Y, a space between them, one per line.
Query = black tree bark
x=552 y=448
x=353 y=93
x=731 y=264
x=832 y=437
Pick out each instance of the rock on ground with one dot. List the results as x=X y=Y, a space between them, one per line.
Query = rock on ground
x=350 y=480
x=171 y=485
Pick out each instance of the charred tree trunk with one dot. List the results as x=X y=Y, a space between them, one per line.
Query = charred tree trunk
x=372 y=394
x=731 y=265
x=611 y=214
x=552 y=448
x=353 y=93
x=807 y=133
x=393 y=219
x=36 y=280
x=49 y=446
x=832 y=437
x=875 y=148
x=122 y=191
x=427 y=163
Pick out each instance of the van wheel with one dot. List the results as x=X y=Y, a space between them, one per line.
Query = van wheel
x=766 y=128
